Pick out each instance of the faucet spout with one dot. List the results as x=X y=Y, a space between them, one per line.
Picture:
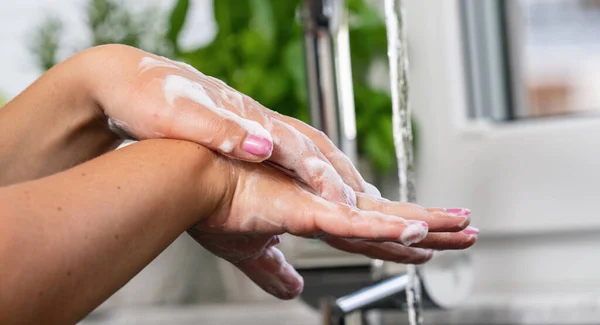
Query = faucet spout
x=329 y=72
x=446 y=282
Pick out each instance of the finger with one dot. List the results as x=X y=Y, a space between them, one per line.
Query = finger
x=201 y=110
x=336 y=157
x=439 y=220
x=298 y=153
x=310 y=214
x=274 y=274
x=447 y=241
x=247 y=123
x=383 y=251
x=194 y=116
x=257 y=258
x=234 y=248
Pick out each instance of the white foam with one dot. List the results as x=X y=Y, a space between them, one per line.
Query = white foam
x=226 y=146
x=413 y=234
x=177 y=86
x=147 y=63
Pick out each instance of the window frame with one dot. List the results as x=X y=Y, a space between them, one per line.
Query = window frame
x=535 y=175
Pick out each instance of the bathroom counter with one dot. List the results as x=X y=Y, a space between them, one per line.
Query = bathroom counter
x=538 y=310
x=551 y=309
x=264 y=313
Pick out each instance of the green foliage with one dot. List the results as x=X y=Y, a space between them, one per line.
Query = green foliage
x=176 y=21
x=110 y=22
x=3 y=100
x=257 y=50
x=46 y=43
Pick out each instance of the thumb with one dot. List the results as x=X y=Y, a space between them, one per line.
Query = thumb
x=274 y=274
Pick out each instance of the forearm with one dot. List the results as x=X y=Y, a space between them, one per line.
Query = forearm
x=69 y=241
x=53 y=125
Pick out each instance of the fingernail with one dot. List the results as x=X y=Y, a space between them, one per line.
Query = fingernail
x=275 y=240
x=458 y=212
x=414 y=233
x=421 y=255
x=471 y=231
x=257 y=146
x=423 y=251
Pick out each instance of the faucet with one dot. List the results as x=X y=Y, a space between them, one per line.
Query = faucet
x=342 y=291
x=329 y=74
x=446 y=281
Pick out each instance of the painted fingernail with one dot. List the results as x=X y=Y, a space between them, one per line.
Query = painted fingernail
x=424 y=251
x=458 y=212
x=414 y=233
x=275 y=240
x=421 y=255
x=257 y=146
x=471 y=231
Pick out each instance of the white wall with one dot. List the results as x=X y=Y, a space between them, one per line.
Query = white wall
x=16 y=21
x=532 y=186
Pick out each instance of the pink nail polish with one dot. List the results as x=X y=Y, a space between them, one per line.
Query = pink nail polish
x=471 y=231
x=421 y=223
x=424 y=251
x=257 y=146
x=458 y=212
x=275 y=240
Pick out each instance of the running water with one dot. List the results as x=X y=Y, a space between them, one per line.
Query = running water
x=403 y=141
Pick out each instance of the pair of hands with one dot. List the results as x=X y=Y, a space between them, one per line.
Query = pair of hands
x=152 y=97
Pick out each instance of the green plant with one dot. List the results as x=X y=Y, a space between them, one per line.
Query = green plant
x=46 y=43
x=3 y=100
x=257 y=50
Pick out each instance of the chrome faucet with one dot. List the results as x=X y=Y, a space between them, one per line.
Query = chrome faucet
x=446 y=282
x=446 y=279
x=327 y=53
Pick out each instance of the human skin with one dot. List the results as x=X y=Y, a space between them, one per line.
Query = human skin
x=53 y=125
x=138 y=95
x=70 y=240
x=62 y=120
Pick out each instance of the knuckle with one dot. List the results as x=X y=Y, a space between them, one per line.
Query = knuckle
x=320 y=135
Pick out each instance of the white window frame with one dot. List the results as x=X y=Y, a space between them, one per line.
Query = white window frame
x=537 y=175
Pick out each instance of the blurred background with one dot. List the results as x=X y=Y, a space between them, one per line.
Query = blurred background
x=505 y=96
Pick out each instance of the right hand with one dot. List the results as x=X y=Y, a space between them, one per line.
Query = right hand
x=146 y=96
x=260 y=203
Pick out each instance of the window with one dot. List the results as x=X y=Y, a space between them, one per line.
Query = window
x=531 y=180
x=532 y=58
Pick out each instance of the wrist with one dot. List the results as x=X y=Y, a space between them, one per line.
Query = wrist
x=111 y=82
x=51 y=126
x=201 y=177
x=82 y=131
x=215 y=181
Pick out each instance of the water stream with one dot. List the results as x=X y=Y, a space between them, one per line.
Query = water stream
x=403 y=140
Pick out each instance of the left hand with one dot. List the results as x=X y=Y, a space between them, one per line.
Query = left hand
x=146 y=96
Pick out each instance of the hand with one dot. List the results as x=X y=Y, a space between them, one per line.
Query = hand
x=146 y=96
x=261 y=203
